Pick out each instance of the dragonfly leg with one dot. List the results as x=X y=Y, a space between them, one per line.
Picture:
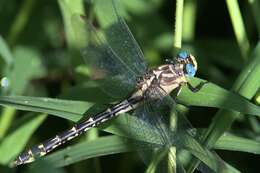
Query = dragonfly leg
x=175 y=94
x=196 y=88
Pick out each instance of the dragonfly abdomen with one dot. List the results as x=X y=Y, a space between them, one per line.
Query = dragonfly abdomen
x=79 y=128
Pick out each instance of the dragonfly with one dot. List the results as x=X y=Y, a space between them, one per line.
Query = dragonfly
x=118 y=57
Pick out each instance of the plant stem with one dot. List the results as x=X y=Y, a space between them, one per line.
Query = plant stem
x=255 y=6
x=5 y=120
x=20 y=21
x=239 y=27
x=189 y=18
x=178 y=24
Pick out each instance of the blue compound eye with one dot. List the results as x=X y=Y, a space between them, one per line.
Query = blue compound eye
x=190 y=70
x=183 y=55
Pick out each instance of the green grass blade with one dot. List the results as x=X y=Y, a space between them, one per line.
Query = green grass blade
x=6 y=120
x=189 y=19
x=26 y=66
x=68 y=9
x=5 y=52
x=178 y=24
x=20 y=21
x=14 y=143
x=212 y=95
x=255 y=6
x=89 y=149
x=71 y=110
x=236 y=143
x=239 y=27
x=43 y=167
x=247 y=86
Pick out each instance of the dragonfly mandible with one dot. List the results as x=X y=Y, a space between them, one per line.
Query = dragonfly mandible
x=119 y=58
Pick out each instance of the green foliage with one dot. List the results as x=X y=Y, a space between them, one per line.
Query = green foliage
x=21 y=134
x=42 y=71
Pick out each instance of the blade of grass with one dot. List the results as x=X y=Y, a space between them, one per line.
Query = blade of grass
x=245 y=85
x=189 y=18
x=43 y=167
x=68 y=8
x=235 y=143
x=26 y=65
x=255 y=6
x=5 y=52
x=239 y=27
x=178 y=24
x=7 y=113
x=10 y=147
x=212 y=95
x=6 y=120
x=89 y=149
x=177 y=43
x=20 y=21
x=75 y=31
x=71 y=110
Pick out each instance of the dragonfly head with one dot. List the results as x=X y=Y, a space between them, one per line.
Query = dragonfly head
x=189 y=62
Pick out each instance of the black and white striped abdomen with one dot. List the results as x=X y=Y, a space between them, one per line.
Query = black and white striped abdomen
x=80 y=127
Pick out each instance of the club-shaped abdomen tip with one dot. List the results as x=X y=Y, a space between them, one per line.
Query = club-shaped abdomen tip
x=15 y=163
x=183 y=54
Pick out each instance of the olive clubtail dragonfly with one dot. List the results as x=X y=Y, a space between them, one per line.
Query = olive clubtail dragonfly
x=128 y=67
x=166 y=78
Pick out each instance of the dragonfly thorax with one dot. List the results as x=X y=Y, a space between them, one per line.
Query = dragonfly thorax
x=163 y=80
x=170 y=77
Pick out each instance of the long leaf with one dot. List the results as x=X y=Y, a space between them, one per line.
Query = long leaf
x=212 y=95
x=89 y=149
x=236 y=143
x=71 y=110
x=15 y=142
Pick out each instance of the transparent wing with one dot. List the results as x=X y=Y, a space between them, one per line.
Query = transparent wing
x=113 y=75
x=173 y=136
x=158 y=151
x=122 y=41
x=114 y=57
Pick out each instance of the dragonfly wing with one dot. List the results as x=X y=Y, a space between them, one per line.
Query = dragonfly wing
x=114 y=56
x=121 y=39
x=113 y=75
x=153 y=140
x=173 y=134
